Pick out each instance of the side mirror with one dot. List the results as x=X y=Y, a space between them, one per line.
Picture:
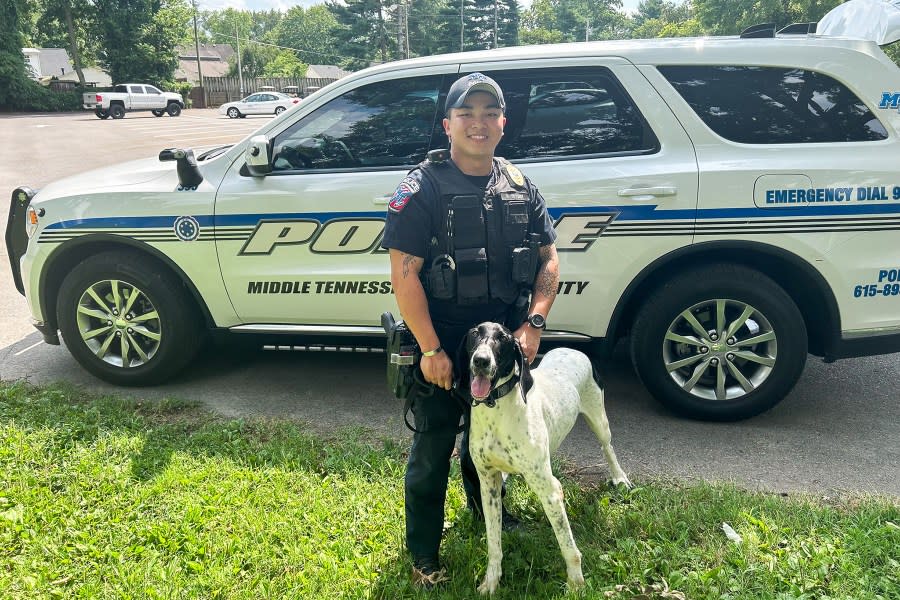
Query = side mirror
x=259 y=163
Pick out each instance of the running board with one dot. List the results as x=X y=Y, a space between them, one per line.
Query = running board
x=367 y=331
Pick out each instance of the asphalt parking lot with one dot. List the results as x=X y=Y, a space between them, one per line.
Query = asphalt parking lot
x=838 y=431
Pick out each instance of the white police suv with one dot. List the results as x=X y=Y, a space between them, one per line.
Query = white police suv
x=732 y=204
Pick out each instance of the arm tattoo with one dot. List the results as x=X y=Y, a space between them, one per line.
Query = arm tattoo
x=411 y=262
x=547 y=281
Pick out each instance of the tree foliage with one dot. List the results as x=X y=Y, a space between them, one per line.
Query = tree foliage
x=13 y=73
x=138 y=38
x=364 y=33
x=551 y=21
x=311 y=33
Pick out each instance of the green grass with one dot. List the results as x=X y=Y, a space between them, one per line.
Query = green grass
x=113 y=498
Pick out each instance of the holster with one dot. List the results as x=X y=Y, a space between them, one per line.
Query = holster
x=402 y=354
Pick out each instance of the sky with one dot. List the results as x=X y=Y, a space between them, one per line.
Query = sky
x=283 y=5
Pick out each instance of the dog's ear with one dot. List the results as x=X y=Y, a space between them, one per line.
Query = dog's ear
x=524 y=369
x=461 y=362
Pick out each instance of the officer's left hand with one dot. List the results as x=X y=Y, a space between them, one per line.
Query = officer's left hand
x=530 y=339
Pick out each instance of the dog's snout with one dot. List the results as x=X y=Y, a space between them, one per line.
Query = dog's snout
x=481 y=360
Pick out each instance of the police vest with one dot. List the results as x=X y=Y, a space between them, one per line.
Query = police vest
x=483 y=250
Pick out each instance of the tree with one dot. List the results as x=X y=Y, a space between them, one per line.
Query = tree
x=68 y=24
x=575 y=20
x=433 y=27
x=664 y=18
x=726 y=17
x=285 y=64
x=311 y=33
x=487 y=15
x=139 y=37
x=14 y=81
x=364 y=32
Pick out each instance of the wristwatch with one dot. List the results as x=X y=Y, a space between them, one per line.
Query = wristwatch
x=537 y=321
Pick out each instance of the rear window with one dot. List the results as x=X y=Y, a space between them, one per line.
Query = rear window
x=564 y=112
x=774 y=105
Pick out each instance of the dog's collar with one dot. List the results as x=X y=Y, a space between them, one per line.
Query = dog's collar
x=499 y=392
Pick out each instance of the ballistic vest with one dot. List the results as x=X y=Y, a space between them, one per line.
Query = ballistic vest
x=482 y=250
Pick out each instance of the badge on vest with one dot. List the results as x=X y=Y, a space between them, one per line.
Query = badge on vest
x=514 y=174
x=407 y=188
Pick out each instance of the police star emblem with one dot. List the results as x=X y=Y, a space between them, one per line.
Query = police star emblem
x=187 y=229
x=516 y=175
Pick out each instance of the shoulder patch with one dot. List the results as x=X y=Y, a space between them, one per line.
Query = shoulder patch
x=406 y=190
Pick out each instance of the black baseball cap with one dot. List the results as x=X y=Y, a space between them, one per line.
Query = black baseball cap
x=474 y=82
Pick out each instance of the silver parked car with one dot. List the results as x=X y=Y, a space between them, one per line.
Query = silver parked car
x=260 y=103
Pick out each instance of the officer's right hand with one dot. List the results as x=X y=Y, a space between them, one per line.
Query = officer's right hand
x=438 y=369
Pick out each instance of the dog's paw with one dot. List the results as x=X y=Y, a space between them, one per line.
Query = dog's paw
x=576 y=582
x=487 y=587
x=621 y=479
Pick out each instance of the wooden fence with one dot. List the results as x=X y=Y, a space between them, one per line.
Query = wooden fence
x=220 y=90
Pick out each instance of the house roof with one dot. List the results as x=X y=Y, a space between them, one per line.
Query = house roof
x=51 y=61
x=213 y=61
x=326 y=72
x=91 y=75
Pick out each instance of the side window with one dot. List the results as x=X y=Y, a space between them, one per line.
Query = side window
x=136 y=89
x=569 y=112
x=152 y=90
x=774 y=105
x=121 y=89
x=383 y=124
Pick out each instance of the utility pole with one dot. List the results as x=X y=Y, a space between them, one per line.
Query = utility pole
x=240 y=72
x=406 y=24
x=461 y=24
x=496 y=15
x=197 y=50
x=587 y=30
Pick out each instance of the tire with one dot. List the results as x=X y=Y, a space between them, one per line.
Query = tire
x=174 y=109
x=707 y=370
x=279 y=110
x=101 y=114
x=233 y=113
x=120 y=303
x=158 y=113
x=117 y=111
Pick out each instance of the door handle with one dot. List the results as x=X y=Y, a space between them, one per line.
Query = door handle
x=382 y=199
x=651 y=192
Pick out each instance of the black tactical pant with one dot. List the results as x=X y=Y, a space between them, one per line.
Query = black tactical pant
x=437 y=416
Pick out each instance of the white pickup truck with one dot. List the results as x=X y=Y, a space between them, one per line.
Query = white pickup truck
x=133 y=96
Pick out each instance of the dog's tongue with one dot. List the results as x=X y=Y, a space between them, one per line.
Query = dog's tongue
x=480 y=386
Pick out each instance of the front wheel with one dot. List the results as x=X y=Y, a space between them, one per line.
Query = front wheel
x=721 y=343
x=233 y=113
x=174 y=109
x=126 y=320
x=279 y=110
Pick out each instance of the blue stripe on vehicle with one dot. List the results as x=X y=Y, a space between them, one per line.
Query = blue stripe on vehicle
x=625 y=213
x=127 y=222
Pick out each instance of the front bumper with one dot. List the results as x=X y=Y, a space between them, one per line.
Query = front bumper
x=16 y=235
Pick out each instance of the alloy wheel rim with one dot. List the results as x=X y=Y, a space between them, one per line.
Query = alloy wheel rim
x=119 y=324
x=720 y=349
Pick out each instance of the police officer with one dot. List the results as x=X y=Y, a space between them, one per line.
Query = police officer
x=468 y=236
